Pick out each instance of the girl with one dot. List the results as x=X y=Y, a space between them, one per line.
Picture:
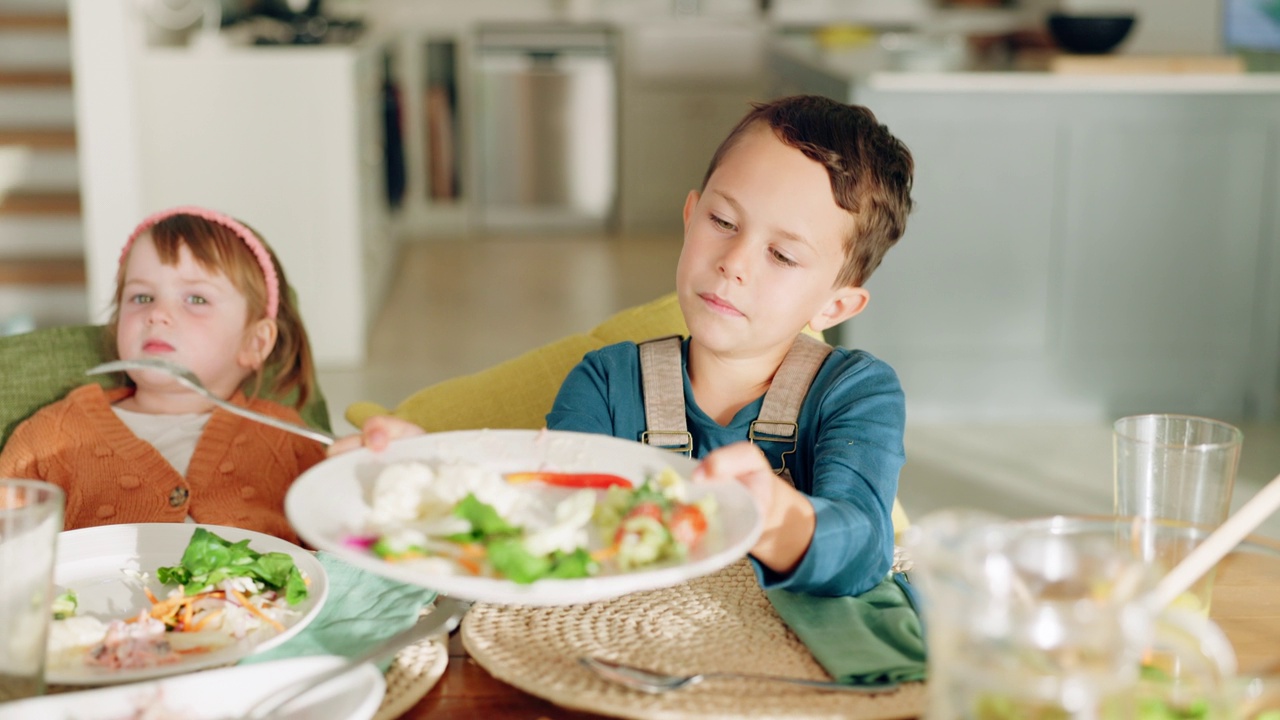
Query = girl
x=202 y=290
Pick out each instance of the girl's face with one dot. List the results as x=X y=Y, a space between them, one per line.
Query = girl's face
x=186 y=314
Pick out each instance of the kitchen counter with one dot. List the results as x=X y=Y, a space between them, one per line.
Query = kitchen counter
x=1082 y=247
x=865 y=66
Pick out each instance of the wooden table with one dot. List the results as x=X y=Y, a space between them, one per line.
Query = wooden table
x=468 y=691
x=1246 y=604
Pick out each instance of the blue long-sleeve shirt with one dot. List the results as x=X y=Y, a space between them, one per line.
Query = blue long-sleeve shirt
x=847 y=456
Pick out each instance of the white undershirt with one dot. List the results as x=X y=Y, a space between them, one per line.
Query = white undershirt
x=173 y=436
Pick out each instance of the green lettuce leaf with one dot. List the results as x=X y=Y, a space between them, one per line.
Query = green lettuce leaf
x=210 y=559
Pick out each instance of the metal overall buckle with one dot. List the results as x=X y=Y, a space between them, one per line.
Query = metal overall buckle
x=793 y=437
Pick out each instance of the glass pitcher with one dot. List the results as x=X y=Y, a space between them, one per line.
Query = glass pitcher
x=1049 y=619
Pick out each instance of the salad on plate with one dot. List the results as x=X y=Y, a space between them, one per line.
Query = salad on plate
x=218 y=594
x=467 y=518
x=524 y=517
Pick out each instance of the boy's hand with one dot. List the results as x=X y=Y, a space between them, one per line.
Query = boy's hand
x=788 y=514
x=376 y=434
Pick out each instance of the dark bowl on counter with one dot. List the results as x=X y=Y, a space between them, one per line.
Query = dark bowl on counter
x=1089 y=34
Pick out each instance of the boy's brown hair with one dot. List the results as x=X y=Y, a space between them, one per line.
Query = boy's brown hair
x=217 y=248
x=870 y=170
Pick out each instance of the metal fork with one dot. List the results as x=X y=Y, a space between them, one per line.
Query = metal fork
x=655 y=682
x=189 y=379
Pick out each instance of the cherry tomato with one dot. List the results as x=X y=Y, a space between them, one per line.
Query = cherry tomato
x=644 y=509
x=687 y=525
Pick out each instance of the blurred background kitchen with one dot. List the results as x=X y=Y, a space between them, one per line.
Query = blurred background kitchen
x=450 y=184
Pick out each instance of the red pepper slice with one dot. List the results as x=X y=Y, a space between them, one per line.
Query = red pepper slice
x=595 y=481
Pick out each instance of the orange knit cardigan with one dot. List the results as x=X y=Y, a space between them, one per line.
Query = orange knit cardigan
x=238 y=475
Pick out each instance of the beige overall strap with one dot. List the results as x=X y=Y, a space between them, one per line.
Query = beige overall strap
x=662 y=378
x=781 y=408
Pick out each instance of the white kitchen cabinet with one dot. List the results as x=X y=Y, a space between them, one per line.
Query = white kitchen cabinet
x=1078 y=251
x=288 y=139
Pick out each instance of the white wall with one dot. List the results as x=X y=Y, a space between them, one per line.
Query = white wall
x=104 y=34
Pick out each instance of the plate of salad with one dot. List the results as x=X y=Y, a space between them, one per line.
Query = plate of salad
x=142 y=601
x=523 y=517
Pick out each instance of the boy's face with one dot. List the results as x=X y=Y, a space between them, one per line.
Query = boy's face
x=762 y=248
x=185 y=314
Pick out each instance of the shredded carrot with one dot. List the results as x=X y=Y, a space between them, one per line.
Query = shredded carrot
x=469 y=564
x=165 y=608
x=208 y=618
x=150 y=595
x=248 y=606
x=188 y=610
x=605 y=553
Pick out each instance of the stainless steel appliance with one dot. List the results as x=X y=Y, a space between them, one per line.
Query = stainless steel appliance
x=546 y=109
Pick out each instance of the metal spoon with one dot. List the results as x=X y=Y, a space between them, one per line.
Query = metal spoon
x=655 y=683
x=189 y=379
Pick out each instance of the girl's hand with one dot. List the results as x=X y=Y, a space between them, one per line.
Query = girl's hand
x=376 y=434
x=788 y=514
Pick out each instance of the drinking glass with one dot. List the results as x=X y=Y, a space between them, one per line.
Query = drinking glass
x=1180 y=468
x=1050 y=618
x=30 y=520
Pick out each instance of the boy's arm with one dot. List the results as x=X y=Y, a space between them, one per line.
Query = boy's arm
x=788 y=513
x=377 y=433
x=851 y=480
x=857 y=456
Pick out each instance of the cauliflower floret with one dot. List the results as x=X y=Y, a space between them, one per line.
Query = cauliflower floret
x=398 y=493
x=568 y=531
x=671 y=485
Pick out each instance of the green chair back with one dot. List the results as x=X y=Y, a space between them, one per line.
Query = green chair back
x=42 y=366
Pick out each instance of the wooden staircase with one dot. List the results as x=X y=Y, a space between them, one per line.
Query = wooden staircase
x=42 y=267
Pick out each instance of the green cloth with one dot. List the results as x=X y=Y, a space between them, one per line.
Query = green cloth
x=362 y=610
x=870 y=639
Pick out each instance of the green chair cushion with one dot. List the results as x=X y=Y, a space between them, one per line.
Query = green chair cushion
x=519 y=393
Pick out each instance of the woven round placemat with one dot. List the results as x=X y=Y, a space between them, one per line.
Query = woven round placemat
x=415 y=670
x=719 y=622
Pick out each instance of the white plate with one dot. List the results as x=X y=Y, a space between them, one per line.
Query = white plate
x=218 y=695
x=328 y=503
x=91 y=561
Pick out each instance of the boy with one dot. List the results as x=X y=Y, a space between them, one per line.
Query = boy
x=797 y=208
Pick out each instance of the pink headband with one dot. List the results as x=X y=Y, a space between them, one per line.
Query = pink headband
x=255 y=245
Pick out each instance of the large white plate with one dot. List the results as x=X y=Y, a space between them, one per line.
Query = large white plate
x=91 y=562
x=218 y=695
x=328 y=503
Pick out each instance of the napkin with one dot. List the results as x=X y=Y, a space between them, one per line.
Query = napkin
x=875 y=638
x=362 y=610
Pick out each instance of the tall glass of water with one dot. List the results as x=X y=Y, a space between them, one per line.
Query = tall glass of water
x=30 y=520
